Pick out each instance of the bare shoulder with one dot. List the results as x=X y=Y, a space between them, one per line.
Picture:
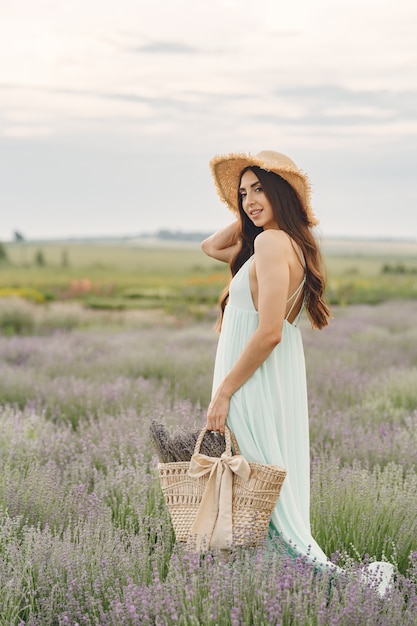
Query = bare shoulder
x=273 y=242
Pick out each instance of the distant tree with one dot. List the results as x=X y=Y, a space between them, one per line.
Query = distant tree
x=64 y=258
x=39 y=258
x=3 y=254
x=20 y=240
x=179 y=235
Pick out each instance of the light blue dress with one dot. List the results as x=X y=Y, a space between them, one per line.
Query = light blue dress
x=269 y=418
x=269 y=413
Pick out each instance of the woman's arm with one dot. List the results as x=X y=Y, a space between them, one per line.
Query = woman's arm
x=224 y=244
x=272 y=253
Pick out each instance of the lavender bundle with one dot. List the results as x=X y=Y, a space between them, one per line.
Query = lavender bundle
x=179 y=446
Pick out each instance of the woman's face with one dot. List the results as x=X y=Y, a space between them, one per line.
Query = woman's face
x=255 y=203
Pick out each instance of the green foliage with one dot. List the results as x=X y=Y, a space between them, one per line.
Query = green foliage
x=106 y=304
x=65 y=258
x=146 y=293
x=346 y=500
x=23 y=317
x=16 y=320
x=370 y=271
x=174 y=279
x=344 y=290
x=399 y=268
x=3 y=253
x=39 y=258
x=183 y=281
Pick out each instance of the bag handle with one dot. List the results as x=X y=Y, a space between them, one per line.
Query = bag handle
x=229 y=436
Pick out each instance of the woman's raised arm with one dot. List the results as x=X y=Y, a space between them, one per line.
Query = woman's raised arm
x=224 y=244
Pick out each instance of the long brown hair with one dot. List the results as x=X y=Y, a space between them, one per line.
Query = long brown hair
x=291 y=218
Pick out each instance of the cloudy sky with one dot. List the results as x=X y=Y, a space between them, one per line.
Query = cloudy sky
x=110 y=111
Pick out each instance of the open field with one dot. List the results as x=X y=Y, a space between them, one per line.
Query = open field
x=84 y=535
x=117 y=276
x=107 y=337
x=180 y=279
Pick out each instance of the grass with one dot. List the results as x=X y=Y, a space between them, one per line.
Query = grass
x=181 y=280
x=370 y=271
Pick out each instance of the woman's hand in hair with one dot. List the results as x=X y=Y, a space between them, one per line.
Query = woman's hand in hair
x=224 y=244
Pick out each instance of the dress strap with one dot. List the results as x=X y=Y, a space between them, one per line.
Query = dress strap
x=294 y=296
x=297 y=319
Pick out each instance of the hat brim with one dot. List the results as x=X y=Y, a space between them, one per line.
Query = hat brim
x=227 y=169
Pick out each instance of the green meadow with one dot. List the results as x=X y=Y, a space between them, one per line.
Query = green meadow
x=370 y=272
x=178 y=278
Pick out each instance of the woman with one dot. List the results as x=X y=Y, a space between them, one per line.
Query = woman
x=259 y=383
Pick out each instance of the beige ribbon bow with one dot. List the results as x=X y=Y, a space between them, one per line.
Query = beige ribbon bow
x=213 y=525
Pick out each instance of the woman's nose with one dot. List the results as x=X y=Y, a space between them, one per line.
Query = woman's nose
x=249 y=199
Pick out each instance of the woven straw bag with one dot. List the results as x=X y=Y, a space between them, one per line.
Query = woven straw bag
x=201 y=504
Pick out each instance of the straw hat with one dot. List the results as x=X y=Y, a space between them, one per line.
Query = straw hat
x=227 y=170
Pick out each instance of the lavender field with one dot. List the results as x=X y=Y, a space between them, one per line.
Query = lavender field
x=84 y=534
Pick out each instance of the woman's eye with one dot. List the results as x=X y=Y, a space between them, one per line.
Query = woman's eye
x=258 y=188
